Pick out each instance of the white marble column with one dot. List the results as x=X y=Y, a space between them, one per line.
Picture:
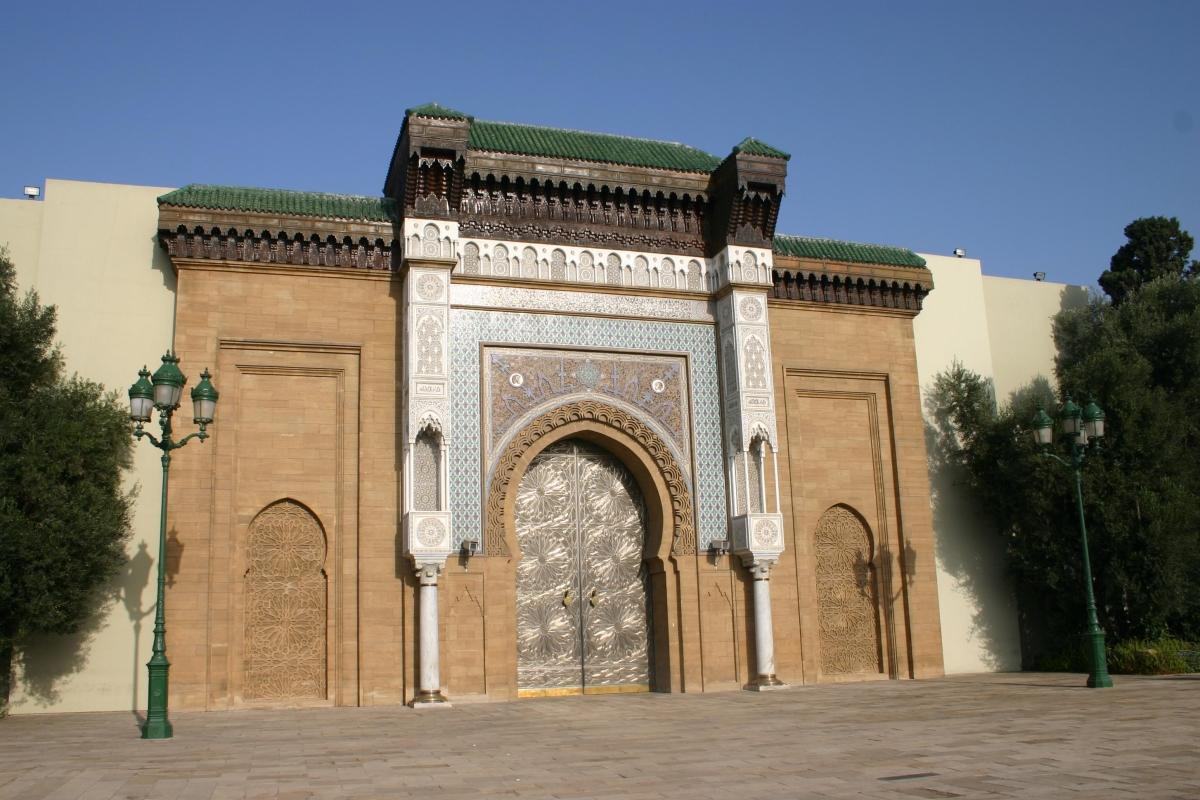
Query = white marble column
x=429 y=684
x=764 y=635
x=430 y=255
x=748 y=392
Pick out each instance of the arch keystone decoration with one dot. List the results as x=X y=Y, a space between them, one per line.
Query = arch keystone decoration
x=601 y=418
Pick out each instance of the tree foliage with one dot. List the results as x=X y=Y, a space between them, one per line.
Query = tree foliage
x=1140 y=360
x=1156 y=248
x=64 y=443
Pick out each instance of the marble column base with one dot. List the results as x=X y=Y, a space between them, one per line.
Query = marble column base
x=433 y=699
x=765 y=683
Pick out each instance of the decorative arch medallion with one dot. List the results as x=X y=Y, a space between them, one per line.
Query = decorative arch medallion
x=605 y=416
x=286 y=602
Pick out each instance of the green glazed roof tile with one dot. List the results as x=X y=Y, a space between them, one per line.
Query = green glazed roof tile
x=853 y=252
x=540 y=140
x=282 y=201
x=535 y=140
x=754 y=147
x=434 y=110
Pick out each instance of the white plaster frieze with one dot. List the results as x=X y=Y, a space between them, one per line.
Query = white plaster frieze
x=573 y=302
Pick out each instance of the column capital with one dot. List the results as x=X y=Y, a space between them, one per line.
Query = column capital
x=761 y=570
x=428 y=572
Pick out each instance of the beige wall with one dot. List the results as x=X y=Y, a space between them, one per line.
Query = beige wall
x=89 y=249
x=1001 y=329
x=850 y=433
x=21 y=235
x=1020 y=315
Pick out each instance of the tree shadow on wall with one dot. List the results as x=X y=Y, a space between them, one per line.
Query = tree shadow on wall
x=876 y=581
x=45 y=660
x=135 y=580
x=968 y=547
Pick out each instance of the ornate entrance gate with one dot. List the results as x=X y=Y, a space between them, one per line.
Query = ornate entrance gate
x=582 y=615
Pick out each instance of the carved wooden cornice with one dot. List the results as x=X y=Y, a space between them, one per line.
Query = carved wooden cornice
x=584 y=234
x=187 y=233
x=437 y=172
x=901 y=289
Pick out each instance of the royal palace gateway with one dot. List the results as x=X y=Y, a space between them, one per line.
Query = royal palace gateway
x=558 y=412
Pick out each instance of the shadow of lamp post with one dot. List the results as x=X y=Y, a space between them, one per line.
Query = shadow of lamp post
x=1078 y=439
x=163 y=392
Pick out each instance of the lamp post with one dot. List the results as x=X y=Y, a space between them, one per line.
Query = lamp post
x=1079 y=438
x=163 y=391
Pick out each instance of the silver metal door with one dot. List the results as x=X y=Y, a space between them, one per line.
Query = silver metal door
x=582 y=614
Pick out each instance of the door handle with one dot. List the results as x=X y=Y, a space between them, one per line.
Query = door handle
x=592 y=599
x=568 y=598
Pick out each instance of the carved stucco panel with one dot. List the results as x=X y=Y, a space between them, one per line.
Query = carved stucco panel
x=286 y=599
x=847 y=594
x=522 y=298
x=430 y=349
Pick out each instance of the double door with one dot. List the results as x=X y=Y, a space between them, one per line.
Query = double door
x=582 y=614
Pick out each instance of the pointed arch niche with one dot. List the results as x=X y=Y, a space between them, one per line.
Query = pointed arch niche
x=286 y=620
x=428 y=472
x=848 y=599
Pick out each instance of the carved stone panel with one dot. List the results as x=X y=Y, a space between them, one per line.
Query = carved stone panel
x=430 y=356
x=847 y=595
x=286 y=598
x=520 y=382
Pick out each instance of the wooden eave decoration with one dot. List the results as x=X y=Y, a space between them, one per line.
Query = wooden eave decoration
x=876 y=286
x=171 y=217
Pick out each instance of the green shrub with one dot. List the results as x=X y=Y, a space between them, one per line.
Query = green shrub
x=1162 y=656
x=1165 y=656
x=1070 y=656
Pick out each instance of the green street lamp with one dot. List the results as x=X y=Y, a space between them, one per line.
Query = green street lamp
x=1079 y=437
x=163 y=391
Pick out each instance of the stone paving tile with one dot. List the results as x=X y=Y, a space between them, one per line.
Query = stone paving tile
x=989 y=736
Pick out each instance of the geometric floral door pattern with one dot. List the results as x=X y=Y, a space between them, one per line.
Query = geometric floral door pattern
x=285 y=623
x=582 y=613
x=847 y=595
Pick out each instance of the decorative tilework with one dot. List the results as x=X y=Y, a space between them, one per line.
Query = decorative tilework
x=520 y=383
x=475 y=327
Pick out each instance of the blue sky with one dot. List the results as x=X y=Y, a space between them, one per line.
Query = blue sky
x=1027 y=133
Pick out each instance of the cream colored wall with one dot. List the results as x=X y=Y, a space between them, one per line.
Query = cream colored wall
x=978 y=611
x=21 y=235
x=1020 y=315
x=1000 y=328
x=90 y=250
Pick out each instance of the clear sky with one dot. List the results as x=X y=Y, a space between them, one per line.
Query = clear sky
x=1029 y=134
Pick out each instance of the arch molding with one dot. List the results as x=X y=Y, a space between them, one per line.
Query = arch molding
x=605 y=422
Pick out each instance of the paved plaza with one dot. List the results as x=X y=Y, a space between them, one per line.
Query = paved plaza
x=999 y=736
